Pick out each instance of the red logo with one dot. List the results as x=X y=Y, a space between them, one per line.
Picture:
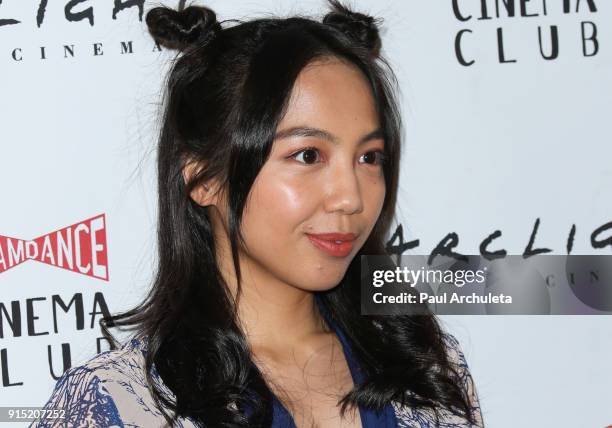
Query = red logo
x=80 y=247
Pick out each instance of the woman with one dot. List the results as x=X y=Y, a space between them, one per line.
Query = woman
x=278 y=165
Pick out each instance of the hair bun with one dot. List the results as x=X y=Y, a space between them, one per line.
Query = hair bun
x=178 y=29
x=358 y=26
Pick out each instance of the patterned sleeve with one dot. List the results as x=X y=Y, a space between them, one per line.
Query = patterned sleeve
x=83 y=399
x=411 y=417
x=457 y=357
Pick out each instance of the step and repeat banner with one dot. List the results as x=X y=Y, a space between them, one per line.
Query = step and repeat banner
x=507 y=106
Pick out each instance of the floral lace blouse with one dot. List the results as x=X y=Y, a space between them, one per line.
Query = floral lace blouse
x=110 y=390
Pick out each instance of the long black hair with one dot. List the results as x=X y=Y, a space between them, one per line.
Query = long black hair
x=225 y=94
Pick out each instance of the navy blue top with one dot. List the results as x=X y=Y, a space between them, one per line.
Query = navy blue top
x=369 y=418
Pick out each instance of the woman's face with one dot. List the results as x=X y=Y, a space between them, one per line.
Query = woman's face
x=324 y=175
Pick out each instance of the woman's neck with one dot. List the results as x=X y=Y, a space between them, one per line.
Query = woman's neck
x=279 y=318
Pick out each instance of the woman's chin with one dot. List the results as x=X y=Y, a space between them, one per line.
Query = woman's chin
x=322 y=282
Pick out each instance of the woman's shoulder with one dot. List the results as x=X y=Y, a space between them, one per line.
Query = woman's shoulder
x=110 y=389
x=422 y=418
x=455 y=352
x=125 y=363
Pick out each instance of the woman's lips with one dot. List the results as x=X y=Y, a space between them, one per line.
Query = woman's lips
x=327 y=243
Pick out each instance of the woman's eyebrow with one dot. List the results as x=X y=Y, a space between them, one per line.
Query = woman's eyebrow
x=305 y=131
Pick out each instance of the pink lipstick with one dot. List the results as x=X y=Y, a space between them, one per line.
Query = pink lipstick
x=334 y=244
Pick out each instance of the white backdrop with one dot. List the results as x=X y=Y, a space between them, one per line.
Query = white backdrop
x=488 y=146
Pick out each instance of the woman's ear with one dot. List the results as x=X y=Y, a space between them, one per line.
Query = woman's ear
x=203 y=194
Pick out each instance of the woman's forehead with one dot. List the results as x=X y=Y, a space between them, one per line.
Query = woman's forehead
x=332 y=92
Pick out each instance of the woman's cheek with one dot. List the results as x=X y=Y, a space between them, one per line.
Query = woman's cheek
x=373 y=190
x=292 y=199
x=279 y=205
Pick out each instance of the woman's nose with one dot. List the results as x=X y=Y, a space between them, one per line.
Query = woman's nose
x=343 y=191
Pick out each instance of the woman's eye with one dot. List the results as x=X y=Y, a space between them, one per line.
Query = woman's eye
x=374 y=157
x=311 y=155
x=307 y=156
